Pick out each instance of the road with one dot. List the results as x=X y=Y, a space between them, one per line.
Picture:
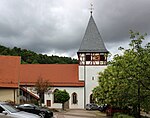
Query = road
x=4 y=116
x=79 y=114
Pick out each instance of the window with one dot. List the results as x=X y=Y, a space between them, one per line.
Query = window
x=1 y=109
x=55 y=101
x=74 y=98
x=42 y=97
x=91 y=98
x=49 y=103
x=92 y=78
x=102 y=58
x=96 y=57
x=88 y=57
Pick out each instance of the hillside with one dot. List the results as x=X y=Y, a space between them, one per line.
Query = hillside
x=30 y=57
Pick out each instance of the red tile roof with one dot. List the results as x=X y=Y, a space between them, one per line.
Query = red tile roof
x=8 y=85
x=58 y=74
x=9 y=66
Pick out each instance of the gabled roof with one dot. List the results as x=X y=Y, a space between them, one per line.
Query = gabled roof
x=92 y=40
x=12 y=73
x=9 y=68
x=57 y=74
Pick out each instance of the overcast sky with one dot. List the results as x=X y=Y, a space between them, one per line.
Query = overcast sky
x=58 y=26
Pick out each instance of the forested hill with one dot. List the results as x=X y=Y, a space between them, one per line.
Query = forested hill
x=30 y=57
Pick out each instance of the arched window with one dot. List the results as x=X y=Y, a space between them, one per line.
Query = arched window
x=55 y=101
x=74 y=98
x=91 y=98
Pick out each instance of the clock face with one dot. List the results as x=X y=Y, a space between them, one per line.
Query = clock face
x=96 y=57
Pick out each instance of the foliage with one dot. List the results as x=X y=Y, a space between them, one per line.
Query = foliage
x=30 y=57
x=42 y=86
x=62 y=97
x=118 y=115
x=118 y=84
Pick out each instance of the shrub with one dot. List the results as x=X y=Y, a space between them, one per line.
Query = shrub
x=118 y=115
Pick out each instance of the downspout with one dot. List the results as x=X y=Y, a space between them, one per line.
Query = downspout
x=14 y=97
x=84 y=86
x=18 y=92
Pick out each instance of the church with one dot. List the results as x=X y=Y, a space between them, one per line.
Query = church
x=17 y=80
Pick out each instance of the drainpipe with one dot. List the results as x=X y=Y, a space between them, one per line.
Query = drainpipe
x=14 y=96
x=18 y=92
x=84 y=86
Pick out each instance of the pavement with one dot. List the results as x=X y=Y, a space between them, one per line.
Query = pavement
x=79 y=113
x=4 y=116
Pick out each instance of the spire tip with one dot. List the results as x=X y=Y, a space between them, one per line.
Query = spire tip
x=91 y=9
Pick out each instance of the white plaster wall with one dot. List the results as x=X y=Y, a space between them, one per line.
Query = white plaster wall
x=91 y=75
x=81 y=73
x=70 y=90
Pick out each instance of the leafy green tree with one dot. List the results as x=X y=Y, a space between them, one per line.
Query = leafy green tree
x=126 y=80
x=62 y=97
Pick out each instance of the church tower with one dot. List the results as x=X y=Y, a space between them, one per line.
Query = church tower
x=92 y=57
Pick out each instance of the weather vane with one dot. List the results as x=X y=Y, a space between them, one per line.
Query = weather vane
x=91 y=9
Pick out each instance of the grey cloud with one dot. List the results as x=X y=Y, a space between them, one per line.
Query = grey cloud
x=117 y=17
x=58 y=26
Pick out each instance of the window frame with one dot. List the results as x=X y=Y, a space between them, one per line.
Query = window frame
x=74 y=98
x=54 y=99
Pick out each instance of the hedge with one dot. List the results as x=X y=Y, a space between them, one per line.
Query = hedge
x=118 y=115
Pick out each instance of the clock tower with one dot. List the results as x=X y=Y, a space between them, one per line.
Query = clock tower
x=92 y=57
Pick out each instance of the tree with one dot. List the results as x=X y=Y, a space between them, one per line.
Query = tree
x=30 y=57
x=126 y=80
x=41 y=87
x=62 y=96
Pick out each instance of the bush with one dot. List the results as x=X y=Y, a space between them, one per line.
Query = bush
x=118 y=115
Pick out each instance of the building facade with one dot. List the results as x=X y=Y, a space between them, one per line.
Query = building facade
x=77 y=79
x=92 y=56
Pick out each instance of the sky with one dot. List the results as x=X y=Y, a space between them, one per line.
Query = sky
x=57 y=27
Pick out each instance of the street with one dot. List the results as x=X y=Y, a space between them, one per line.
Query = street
x=80 y=113
x=4 y=116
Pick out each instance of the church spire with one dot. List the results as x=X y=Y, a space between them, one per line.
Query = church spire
x=92 y=50
x=92 y=40
x=91 y=9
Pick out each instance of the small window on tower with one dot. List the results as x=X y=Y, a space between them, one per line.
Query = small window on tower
x=88 y=57
x=96 y=57
x=102 y=58
x=92 y=78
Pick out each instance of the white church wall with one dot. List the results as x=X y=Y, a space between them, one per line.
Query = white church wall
x=81 y=73
x=80 y=97
x=91 y=80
